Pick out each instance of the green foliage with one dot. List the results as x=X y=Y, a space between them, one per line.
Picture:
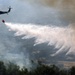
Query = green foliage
x=72 y=70
x=2 y=68
x=24 y=71
x=46 y=70
x=12 y=69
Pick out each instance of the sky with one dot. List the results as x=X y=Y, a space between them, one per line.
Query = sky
x=37 y=30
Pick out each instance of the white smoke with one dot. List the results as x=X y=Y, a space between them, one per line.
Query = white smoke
x=61 y=37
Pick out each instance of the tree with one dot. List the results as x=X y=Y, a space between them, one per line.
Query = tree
x=12 y=69
x=2 y=68
x=72 y=70
x=24 y=71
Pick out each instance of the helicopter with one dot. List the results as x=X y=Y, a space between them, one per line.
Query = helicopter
x=5 y=12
